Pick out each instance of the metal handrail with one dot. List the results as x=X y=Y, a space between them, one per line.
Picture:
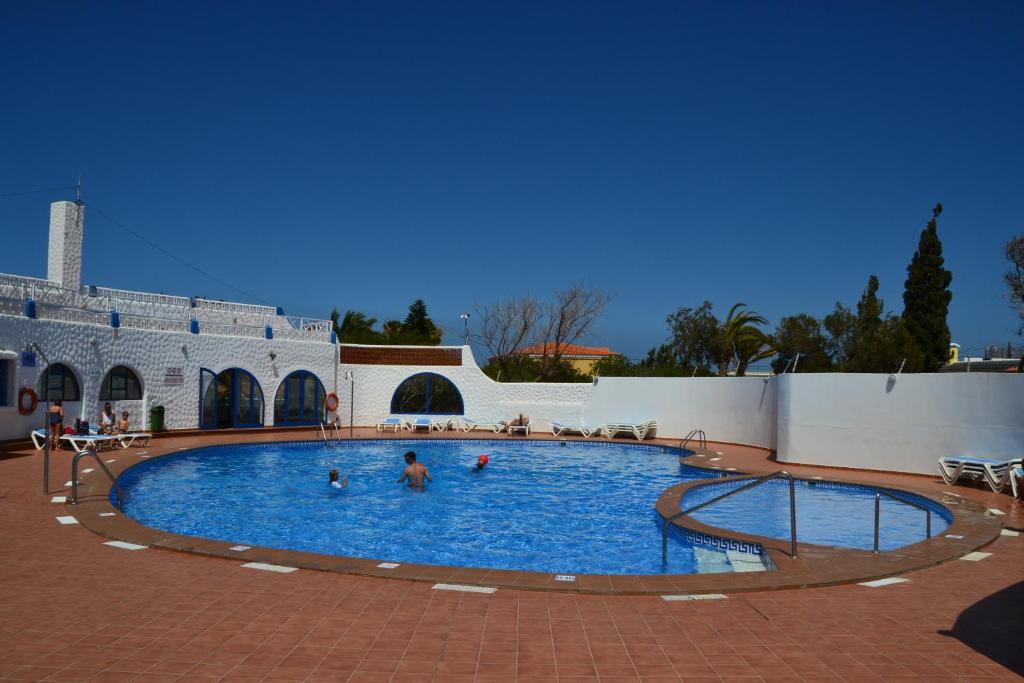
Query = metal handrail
x=878 y=506
x=745 y=487
x=323 y=430
x=697 y=433
x=90 y=451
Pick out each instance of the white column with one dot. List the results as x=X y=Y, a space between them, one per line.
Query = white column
x=64 y=263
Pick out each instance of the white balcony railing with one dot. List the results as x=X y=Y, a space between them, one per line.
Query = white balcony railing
x=157 y=312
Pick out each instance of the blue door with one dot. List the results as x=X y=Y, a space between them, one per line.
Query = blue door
x=231 y=398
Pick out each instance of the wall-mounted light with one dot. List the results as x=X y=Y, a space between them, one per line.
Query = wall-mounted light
x=273 y=356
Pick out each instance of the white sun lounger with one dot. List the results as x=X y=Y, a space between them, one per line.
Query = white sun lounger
x=430 y=424
x=128 y=439
x=468 y=425
x=1016 y=472
x=639 y=430
x=995 y=473
x=525 y=429
x=395 y=423
x=560 y=428
x=80 y=442
x=38 y=438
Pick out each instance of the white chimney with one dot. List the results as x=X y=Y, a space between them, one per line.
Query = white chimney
x=64 y=265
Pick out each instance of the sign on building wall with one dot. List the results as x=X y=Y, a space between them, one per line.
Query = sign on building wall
x=174 y=376
x=28 y=359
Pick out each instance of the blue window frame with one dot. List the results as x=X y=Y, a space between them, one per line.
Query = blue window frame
x=299 y=400
x=230 y=398
x=5 y=375
x=59 y=384
x=121 y=384
x=427 y=394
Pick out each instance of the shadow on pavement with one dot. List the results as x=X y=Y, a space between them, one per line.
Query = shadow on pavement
x=993 y=627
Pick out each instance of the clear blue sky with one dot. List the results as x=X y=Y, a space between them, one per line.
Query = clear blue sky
x=361 y=155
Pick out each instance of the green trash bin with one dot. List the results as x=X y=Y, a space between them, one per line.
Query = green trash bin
x=156 y=418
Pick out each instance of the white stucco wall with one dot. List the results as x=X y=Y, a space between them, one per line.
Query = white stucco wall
x=91 y=350
x=867 y=421
x=733 y=409
x=483 y=398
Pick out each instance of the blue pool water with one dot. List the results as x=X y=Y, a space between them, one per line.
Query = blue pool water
x=826 y=514
x=539 y=506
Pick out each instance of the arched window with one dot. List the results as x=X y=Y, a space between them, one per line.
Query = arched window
x=427 y=394
x=299 y=400
x=58 y=383
x=121 y=384
x=231 y=398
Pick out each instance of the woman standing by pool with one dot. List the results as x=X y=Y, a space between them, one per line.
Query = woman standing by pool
x=56 y=422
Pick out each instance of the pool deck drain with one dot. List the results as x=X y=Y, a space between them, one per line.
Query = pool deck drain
x=125 y=546
x=698 y=596
x=270 y=567
x=878 y=583
x=461 y=588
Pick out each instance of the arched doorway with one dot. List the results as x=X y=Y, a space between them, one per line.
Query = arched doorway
x=299 y=400
x=230 y=398
x=427 y=394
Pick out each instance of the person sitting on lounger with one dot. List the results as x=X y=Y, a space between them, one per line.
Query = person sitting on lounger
x=414 y=472
x=332 y=479
x=520 y=421
x=56 y=422
x=107 y=419
x=122 y=424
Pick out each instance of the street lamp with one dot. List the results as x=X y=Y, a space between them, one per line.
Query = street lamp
x=465 y=320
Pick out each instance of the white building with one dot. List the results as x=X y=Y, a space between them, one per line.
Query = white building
x=213 y=365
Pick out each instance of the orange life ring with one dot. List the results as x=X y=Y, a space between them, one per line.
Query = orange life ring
x=33 y=401
x=331 y=402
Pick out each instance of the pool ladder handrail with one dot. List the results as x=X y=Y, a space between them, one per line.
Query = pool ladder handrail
x=91 y=452
x=696 y=433
x=746 y=487
x=323 y=430
x=878 y=504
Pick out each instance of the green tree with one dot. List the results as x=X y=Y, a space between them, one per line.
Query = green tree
x=522 y=368
x=695 y=337
x=926 y=298
x=355 y=328
x=864 y=337
x=1015 y=276
x=840 y=325
x=741 y=337
x=801 y=334
x=417 y=328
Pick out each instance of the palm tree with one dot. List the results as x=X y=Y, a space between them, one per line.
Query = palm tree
x=741 y=337
x=355 y=328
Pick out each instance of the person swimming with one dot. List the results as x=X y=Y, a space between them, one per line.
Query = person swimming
x=481 y=462
x=414 y=472
x=333 y=480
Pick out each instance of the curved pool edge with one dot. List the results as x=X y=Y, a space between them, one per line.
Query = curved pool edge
x=816 y=566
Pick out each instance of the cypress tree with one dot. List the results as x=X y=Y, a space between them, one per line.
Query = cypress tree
x=926 y=298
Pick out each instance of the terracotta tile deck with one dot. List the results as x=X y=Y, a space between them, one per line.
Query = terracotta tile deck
x=74 y=609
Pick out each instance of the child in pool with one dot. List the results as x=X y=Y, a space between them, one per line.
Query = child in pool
x=481 y=462
x=333 y=480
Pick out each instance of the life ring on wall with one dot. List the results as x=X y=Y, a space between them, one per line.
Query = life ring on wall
x=33 y=401
x=331 y=402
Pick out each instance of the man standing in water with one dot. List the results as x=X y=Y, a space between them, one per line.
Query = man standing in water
x=414 y=472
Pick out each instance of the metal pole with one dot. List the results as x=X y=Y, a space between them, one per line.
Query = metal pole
x=878 y=505
x=792 y=517
x=46 y=421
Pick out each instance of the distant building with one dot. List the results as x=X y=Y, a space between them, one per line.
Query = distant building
x=995 y=358
x=581 y=358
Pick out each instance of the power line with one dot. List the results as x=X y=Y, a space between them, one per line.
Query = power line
x=180 y=260
x=48 y=189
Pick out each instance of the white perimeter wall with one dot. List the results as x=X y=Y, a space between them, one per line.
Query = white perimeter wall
x=149 y=354
x=483 y=398
x=868 y=421
x=733 y=409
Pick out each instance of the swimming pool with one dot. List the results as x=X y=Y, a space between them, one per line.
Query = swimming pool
x=561 y=507
x=827 y=513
